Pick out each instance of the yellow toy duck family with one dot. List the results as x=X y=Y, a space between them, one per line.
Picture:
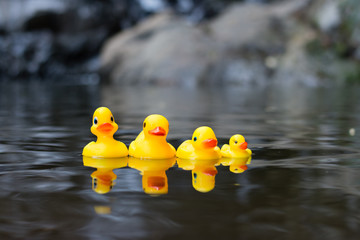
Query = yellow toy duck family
x=151 y=142
x=152 y=155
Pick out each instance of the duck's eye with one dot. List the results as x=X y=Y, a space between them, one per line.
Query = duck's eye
x=95 y=120
x=195 y=175
x=144 y=124
x=235 y=142
x=111 y=118
x=94 y=183
x=195 y=138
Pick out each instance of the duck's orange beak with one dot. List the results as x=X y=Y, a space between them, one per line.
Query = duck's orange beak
x=158 y=131
x=244 y=167
x=103 y=179
x=210 y=172
x=240 y=168
x=105 y=127
x=243 y=146
x=156 y=182
x=210 y=143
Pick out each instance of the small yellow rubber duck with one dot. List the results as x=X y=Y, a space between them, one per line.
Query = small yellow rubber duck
x=153 y=171
x=237 y=148
x=151 y=142
x=106 y=146
x=203 y=145
x=103 y=179
x=203 y=173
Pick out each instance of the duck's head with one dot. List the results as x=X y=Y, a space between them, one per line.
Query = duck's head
x=237 y=142
x=103 y=122
x=156 y=126
x=204 y=138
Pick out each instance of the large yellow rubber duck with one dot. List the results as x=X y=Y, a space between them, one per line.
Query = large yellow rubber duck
x=106 y=146
x=103 y=179
x=151 y=142
x=153 y=171
x=203 y=145
x=237 y=148
x=203 y=173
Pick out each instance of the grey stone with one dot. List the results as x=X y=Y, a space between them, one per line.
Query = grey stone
x=167 y=50
x=326 y=14
x=163 y=50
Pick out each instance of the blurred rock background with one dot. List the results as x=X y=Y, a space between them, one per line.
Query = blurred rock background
x=181 y=42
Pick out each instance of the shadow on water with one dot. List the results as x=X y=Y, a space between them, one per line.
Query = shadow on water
x=302 y=182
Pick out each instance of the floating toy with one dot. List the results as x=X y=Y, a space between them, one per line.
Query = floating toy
x=237 y=165
x=106 y=146
x=153 y=171
x=151 y=142
x=203 y=145
x=103 y=179
x=237 y=148
x=203 y=173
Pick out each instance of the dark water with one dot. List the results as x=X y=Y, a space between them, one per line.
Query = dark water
x=303 y=181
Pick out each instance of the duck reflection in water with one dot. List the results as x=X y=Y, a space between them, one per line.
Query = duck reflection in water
x=237 y=165
x=203 y=172
x=103 y=179
x=153 y=171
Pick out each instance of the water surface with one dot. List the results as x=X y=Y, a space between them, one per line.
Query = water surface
x=303 y=181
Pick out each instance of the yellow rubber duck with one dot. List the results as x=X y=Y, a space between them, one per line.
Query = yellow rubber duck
x=151 y=142
x=153 y=171
x=106 y=146
x=103 y=179
x=203 y=145
x=237 y=148
x=237 y=165
x=203 y=173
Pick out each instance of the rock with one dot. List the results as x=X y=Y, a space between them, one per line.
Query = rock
x=15 y=13
x=163 y=50
x=66 y=29
x=258 y=26
x=326 y=50
x=167 y=50
x=26 y=52
x=240 y=25
x=326 y=14
x=245 y=72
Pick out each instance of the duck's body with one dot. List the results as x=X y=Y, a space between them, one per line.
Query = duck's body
x=106 y=146
x=201 y=146
x=237 y=148
x=187 y=151
x=151 y=142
